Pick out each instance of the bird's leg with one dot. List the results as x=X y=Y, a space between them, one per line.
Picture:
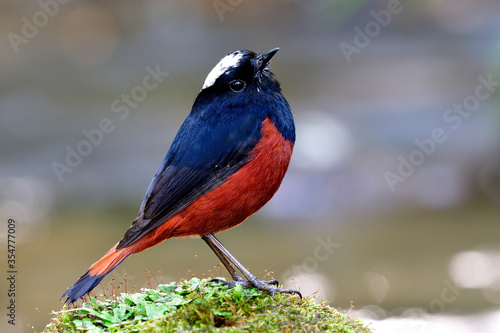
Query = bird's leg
x=218 y=249
x=227 y=257
x=223 y=260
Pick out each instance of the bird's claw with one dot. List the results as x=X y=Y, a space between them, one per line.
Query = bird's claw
x=230 y=283
x=270 y=286
x=267 y=286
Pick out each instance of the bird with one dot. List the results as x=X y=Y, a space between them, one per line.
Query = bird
x=226 y=162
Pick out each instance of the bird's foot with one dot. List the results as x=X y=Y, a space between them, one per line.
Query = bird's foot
x=231 y=283
x=243 y=283
x=271 y=286
x=267 y=285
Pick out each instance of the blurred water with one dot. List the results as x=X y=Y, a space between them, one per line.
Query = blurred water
x=358 y=118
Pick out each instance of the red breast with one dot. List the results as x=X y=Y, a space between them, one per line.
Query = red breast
x=243 y=194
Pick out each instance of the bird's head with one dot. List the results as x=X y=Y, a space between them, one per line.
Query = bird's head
x=240 y=76
x=242 y=86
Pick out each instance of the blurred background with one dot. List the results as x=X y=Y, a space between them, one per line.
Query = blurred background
x=392 y=200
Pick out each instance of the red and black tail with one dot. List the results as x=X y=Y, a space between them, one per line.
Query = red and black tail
x=97 y=272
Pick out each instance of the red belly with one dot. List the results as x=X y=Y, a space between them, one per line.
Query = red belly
x=243 y=194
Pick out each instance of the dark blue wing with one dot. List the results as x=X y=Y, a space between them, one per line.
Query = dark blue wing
x=207 y=149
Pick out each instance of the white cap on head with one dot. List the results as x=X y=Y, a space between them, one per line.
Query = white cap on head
x=226 y=63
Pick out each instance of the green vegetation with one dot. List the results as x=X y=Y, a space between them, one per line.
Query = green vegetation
x=198 y=305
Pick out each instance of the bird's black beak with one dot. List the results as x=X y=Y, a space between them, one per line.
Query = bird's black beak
x=266 y=57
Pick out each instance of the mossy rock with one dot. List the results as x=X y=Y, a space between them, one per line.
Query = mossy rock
x=200 y=306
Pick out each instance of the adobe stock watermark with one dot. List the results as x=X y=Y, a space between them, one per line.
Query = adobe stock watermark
x=448 y=295
x=372 y=29
x=31 y=27
x=121 y=107
x=223 y=6
x=453 y=118
x=322 y=252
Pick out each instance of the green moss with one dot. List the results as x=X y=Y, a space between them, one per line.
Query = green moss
x=197 y=305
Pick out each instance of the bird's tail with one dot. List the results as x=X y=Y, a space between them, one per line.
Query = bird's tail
x=97 y=272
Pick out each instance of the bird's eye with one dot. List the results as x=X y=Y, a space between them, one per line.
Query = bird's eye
x=237 y=85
